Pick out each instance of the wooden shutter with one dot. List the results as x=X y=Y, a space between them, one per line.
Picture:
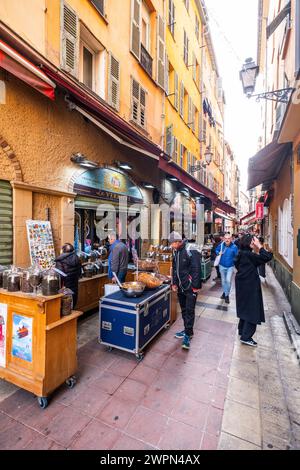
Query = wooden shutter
x=69 y=39
x=169 y=140
x=114 y=82
x=176 y=91
x=161 y=52
x=190 y=112
x=142 y=107
x=175 y=149
x=135 y=101
x=167 y=75
x=194 y=67
x=181 y=99
x=135 y=45
x=189 y=162
x=172 y=17
x=6 y=223
x=185 y=48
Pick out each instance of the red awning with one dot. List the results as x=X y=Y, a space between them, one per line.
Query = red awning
x=17 y=65
x=248 y=219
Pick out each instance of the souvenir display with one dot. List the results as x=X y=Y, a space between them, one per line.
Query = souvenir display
x=41 y=246
x=50 y=282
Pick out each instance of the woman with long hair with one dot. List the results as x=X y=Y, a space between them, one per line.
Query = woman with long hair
x=249 y=300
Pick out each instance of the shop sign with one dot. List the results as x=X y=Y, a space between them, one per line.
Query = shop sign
x=3 y=323
x=208 y=217
x=22 y=337
x=259 y=212
x=104 y=183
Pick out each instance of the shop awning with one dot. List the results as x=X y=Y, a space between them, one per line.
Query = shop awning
x=222 y=214
x=265 y=166
x=248 y=219
x=172 y=169
x=17 y=65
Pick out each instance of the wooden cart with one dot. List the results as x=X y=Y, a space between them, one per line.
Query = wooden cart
x=38 y=347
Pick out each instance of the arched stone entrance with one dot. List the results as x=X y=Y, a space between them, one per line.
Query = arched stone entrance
x=10 y=167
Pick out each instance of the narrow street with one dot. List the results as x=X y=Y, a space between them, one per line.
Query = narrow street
x=218 y=395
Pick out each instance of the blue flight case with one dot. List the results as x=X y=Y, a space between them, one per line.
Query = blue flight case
x=131 y=323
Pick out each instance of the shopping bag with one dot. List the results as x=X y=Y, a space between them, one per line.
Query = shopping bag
x=218 y=259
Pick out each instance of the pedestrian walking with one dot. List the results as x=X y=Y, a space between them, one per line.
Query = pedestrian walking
x=228 y=251
x=69 y=263
x=249 y=300
x=186 y=281
x=117 y=259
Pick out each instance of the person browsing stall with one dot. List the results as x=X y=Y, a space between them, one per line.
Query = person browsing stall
x=117 y=259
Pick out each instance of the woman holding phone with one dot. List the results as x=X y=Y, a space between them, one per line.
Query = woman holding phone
x=249 y=300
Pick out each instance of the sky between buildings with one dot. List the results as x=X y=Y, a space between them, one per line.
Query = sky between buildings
x=233 y=24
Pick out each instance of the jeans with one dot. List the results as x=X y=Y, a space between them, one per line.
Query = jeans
x=226 y=276
x=187 y=301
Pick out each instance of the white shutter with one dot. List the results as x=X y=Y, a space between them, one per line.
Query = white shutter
x=181 y=98
x=69 y=39
x=176 y=91
x=161 y=52
x=135 y=101
x=142 y=107
x=114 y=82
x=135 y=43
x=171 y=17
x=169 y=140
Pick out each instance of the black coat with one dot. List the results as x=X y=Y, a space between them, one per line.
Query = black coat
x=249 y=301
x=186 y=269
x=69 y=263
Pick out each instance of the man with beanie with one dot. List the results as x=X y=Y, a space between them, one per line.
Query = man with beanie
x=186 y=281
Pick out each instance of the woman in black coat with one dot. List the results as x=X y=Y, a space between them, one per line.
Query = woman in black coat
x=69 y=263
x=249 y=301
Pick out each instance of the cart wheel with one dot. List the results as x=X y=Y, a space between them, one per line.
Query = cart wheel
x=43 y=402
x=139 y=357
x=71 y=381
x=167 y=326
x=109 y=349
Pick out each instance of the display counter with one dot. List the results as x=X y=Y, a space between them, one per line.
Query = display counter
x=38 y=347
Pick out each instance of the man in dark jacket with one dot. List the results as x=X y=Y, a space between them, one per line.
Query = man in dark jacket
x=186 y=281
x=69 y=263
x=117 y=259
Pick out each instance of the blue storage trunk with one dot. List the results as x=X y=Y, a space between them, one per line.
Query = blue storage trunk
x=131 y=323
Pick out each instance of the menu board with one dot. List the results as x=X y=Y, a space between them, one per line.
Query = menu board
x=41 y=244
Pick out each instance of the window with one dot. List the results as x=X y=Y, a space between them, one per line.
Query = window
x=138 y=104
x=185 y=48
x=197 y=26
x=181 y=100
x=114 y=83
x=88 y=67
x=135 y=45
x=161 y=52
x=92 y=68
x=182 y=150
x=285 y=231
x=169 y=140
x=175 y=149
x=99 y=5
x=176 y=91
x=145 y=27
x=189 y=162
x=171 y=24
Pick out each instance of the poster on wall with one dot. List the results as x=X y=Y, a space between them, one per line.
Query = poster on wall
x=3 y=322
x=22 y=337
x=40 y=240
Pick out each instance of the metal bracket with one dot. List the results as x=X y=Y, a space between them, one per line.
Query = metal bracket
x=280 y=96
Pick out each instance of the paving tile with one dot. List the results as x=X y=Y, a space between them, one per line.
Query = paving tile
x=242 y=421
x=131 y=391
x=275 y=429
x=180 y=436
x=147 y=425
x=244 y=371
x=214 y=421
x=191 y=412
x=155 y=359
x=96 y=436
x=37 y=418
x=243 y=392
x=164 y=346
x=40 y=442
x=108 y=382
x=66 y=426
x=144 y=374
x=125 y=442
x=14 y=435
x=230 y=442
x=209 y=442
x=197 y=390
x=17 y=403
x=117 y=413
x=218 y=397
x=160 y=400
x=6 y=389
x=91 y=401
x=123 y=366
x=271 y=442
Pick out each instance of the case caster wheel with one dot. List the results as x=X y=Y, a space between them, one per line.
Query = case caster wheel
x=139 y=357
x=166 y=327
x=71 y=381
x=43 y=402
x=110 y=349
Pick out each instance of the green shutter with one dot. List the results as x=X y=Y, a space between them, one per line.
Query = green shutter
x=6 y=223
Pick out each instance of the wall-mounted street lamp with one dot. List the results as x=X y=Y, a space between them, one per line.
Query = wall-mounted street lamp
x=248 y=76
x=123 y=165
x=208 y=155
x=81 y=160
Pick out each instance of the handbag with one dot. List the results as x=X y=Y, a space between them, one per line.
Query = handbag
x=218 y=258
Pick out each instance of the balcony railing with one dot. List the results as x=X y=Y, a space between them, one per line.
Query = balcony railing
x=146 y=60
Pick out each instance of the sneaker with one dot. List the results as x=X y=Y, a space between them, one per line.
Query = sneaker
x=227 y=301
x=186 y=342
x=223 y=296
x=249 y=342
x=179 y=335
